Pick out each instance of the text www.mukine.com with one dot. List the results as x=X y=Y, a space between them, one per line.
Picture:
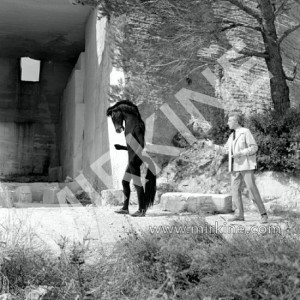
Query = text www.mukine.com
x=217 y=228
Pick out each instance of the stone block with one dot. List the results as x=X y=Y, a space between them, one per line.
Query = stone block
x=175 y=202
x=221 y=203
x=49 y=195
x=112 y=197
x=72 y=185
x=38 y=293
x=23 y=194
x=65 y=196
x=6 y=198
x=195 y=202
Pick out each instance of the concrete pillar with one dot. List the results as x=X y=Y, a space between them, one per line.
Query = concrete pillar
x=96 y=87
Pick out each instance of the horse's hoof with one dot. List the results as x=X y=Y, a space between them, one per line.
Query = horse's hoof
x=139 y=214
x=122 y=211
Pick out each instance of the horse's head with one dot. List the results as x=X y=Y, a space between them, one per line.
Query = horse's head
x=118 y=119
x=120 y=111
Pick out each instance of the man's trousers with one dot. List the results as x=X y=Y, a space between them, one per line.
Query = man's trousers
x=236 y=181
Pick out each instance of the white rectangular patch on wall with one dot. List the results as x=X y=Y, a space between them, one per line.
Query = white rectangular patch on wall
x=30 y=69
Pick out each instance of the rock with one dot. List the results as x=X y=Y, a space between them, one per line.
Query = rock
x=68 y=179
x=179 y=141
x=66 y=196
x=281 y=190
x=163 y=186
x=38 y=293
x=175 y=202
x=49 y=195
x=6 y=297
x=194 y=202
x=72 y=185
x=161 y=180
x=83 y=198
x=112 y=197
x=199 y=169
x=37 y=190
x=23 y=194
x=6 y=197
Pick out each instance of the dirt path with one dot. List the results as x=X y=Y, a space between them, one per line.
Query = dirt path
x=100 y=225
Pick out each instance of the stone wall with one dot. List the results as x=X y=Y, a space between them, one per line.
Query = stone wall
x=84 y=125
x=72 y=121
x=29 y=118
x=96 y=86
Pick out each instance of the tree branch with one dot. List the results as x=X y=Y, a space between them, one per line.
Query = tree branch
x=280 y=8
x=247 y=9
x=287 y=33
x=253 y=53
x=237 y=58
x=234 y=25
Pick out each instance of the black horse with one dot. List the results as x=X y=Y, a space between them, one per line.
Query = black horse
x=135 y=140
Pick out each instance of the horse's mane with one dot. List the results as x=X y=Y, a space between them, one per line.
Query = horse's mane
x=126 y=106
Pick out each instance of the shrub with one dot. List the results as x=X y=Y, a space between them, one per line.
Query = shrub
x=219 y=131
x=195 y=266
x=275 y=136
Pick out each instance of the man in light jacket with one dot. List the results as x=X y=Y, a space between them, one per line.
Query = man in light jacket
x=241 y=148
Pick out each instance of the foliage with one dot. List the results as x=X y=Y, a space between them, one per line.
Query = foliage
x=275 y=136
x=182 y=261
x=179 y=265
x=160 y=43
x=219 y=131
x=27 y=264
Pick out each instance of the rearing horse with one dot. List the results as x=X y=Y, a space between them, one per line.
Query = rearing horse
x=135 y=140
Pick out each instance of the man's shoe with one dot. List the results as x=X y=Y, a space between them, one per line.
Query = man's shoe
x=139 y=213
x=236 y=218
x=122 y=211
x=264 y=219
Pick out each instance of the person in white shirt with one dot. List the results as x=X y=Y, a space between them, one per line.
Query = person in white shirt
x=241 y=148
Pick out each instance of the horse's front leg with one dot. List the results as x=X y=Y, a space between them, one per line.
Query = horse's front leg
x=126 y=192
x=136 y=177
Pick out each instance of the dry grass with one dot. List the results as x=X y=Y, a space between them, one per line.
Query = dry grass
x=145 y=265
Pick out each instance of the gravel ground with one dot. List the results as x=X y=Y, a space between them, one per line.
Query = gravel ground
x=100 y=225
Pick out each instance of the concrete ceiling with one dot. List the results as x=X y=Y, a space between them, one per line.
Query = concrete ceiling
x=42 y=29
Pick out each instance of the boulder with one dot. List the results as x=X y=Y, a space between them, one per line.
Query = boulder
x=38 y=293
x=49 y=195
x=6 y=297
x=23 y=194
x=112 y=197
x=195 y=202
x=6 y=197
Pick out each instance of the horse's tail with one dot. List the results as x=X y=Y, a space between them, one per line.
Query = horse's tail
x=150 y=185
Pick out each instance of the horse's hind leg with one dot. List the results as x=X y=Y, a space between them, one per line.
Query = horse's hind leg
x=136 y=176
x=126 y=192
